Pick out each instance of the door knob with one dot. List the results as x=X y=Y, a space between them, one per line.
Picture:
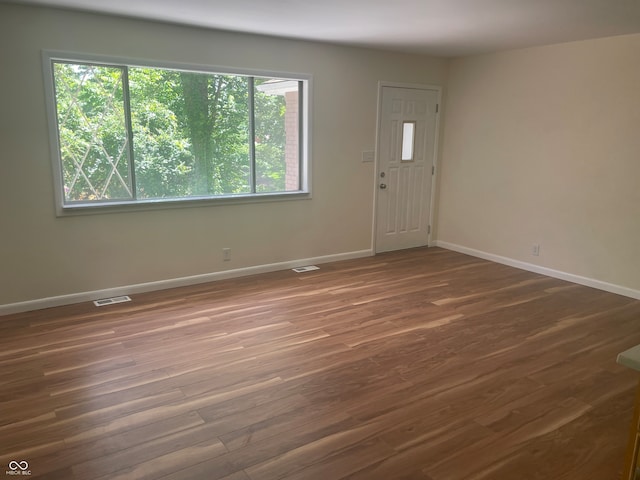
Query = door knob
x=383 y=186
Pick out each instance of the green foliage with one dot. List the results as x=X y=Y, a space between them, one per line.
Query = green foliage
x=190 y=133
x=270 y=141
x=93 y=139
x=163 y=156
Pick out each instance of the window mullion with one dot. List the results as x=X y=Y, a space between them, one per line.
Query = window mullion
x=252 y=134
x=129 y=127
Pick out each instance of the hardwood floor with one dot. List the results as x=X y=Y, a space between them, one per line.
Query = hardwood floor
x=422 y=364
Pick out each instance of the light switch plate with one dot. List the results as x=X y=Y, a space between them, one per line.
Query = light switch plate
x=368 y=156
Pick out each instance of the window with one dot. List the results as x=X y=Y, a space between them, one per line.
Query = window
x=135 y=134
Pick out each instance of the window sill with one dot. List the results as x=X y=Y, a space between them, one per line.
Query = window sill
x=164 y=204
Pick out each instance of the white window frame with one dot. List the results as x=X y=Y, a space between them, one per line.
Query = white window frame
x=63 y=209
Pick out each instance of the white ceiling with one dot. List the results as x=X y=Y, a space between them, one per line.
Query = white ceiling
x=439 y=27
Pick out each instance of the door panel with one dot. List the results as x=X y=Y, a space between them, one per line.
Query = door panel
x=404 y=186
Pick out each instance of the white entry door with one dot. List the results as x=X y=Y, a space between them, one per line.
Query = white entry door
x=406 y=150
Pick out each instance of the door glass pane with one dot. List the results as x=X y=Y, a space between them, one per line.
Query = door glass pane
x=408 y=140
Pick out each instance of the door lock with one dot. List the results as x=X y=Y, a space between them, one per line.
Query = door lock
x=383 y=186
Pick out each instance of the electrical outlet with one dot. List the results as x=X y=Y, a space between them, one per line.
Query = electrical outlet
x=226 y=254
x=535 y=249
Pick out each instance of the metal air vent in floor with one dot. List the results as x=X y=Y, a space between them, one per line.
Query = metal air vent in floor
x=305 y=269
x=110 y=301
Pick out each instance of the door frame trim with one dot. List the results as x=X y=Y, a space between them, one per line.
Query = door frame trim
x=436 y=149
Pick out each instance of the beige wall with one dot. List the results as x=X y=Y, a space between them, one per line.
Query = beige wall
x=44 y=256
x=542 y=145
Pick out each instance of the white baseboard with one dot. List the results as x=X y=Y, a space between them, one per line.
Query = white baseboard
x=173 y=283
x=570 y=277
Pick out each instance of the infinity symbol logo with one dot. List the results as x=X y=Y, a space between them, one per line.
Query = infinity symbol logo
x=23 y=465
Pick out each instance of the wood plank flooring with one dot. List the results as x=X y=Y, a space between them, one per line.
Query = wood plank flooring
x=421 y=364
